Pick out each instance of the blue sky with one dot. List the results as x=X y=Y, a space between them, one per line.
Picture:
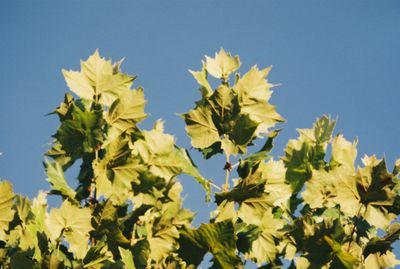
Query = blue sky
x=332 y=57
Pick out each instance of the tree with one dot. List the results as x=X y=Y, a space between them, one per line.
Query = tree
x=309 y=209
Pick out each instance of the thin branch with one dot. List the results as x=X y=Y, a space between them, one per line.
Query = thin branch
x=354 y=228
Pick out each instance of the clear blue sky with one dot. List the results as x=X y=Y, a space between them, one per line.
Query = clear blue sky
x=332 y=57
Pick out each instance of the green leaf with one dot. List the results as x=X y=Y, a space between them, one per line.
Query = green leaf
x=115 y=173
x=217 y=238
x=254 y=86
x=377 y=191
x=98 y=80
x=127 y=258
x=323 y=129
x=6 y=205
x=242 y=133
x=64 y=110
x=247 y=234
x=126 y=111
x=141 y=250
x=384 y=244
x=189 y=168
x=81 y=133
x=253 y=92
x=346 y=259
x=261 y=155
x=321 y=190
x=201 y=128
x=165 y=160
x=225 y=211
x=321 y=133
x=158 y=151
x=97 y=256
x=23 y=208
x=307 y=152
x=224 y=105
x=60 y=156
x=55 y=176
x=106 y=224
x=73 y=224
x=264 y=248
x=22 y=260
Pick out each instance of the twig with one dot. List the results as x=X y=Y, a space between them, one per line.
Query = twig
x=354 y=228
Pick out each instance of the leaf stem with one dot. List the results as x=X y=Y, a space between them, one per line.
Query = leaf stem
x=225 y=187
x=235 y=165
x=354 y=228
x=215 y=186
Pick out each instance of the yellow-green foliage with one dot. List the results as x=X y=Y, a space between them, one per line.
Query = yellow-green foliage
x=127 y=210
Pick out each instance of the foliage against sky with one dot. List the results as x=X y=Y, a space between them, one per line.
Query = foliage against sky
x=313 y=207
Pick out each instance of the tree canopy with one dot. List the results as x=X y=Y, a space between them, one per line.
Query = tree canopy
x=311 y=208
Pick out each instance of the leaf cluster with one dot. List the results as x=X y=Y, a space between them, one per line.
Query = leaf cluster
x=311 y=208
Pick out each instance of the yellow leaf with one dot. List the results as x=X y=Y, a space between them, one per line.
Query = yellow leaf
x=222 y=65
x=73 y=224
x=344 y=152
x=98 y=79
x=201 y=78
x=6 y=205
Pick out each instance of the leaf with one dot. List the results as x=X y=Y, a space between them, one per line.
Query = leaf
x=263 y=188
x=106 y=225
x=81 y=133
x=346 y=259
x=97 y=256
x=189 y=168
x=253 y=92
x=344 y=152
x=222 y=65
x=23 y=208
x=225 y=211
x=73 y=224
x=246 y=234
x=279 y=192
x=381 y=261
x=60 y=156
x=242 y=133
x=165 y=160
x=141 y=250
x=127 y=258
x=64 y=110
x=216 y=238
x=162 y=243
x=382 y=245
x=321 y=190
x=6 y=205
x=321 y=133
x=115 y=173
x=262 y=153
x=377 y=190
x=264 y=249
x=264 y=114
x=200 y=127
x=307 y=152
x=158 y=151
x=323 y=129
x=22 y=260
x=55 y=176
x=126 y=111
x=254 y=86
x=98 y=80
x=201 y=78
